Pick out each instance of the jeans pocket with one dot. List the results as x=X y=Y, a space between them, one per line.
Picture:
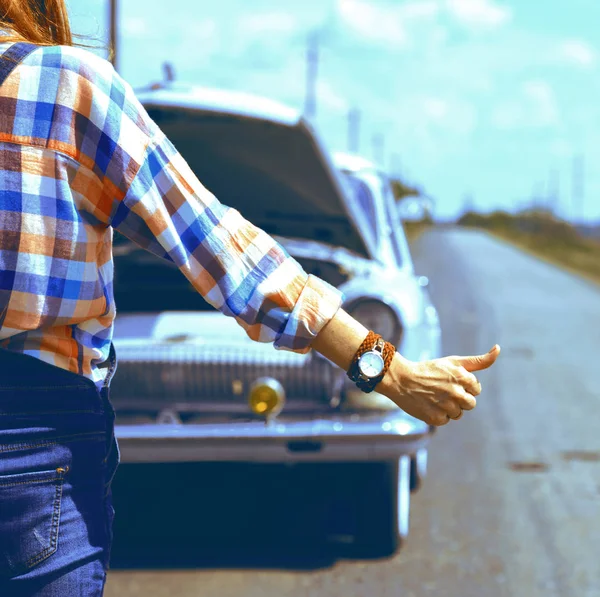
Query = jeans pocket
x=29 y=518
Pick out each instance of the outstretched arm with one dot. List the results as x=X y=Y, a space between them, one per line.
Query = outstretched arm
x=138 y=183
x=434 y=391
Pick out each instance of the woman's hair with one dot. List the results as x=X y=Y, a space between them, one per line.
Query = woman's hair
x=40 y=22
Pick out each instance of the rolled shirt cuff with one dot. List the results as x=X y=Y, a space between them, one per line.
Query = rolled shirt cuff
x=316 y=306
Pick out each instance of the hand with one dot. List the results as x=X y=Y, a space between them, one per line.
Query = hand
x=438 y=390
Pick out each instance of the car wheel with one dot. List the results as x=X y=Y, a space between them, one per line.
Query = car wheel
x=378 y=515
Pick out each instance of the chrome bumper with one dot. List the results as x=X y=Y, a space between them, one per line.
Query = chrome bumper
x=335 y=439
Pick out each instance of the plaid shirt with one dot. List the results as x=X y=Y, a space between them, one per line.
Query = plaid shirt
x=79 y=156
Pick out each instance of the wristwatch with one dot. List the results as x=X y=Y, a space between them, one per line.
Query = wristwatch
x=369 y=366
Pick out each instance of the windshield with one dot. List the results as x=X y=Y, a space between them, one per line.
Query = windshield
x=364 y=198
x=368 y=190
x=399 y=242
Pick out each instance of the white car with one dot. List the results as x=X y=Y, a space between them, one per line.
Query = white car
x=191 y=386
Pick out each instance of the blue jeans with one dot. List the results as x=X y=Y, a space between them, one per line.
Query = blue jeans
x=57 y=459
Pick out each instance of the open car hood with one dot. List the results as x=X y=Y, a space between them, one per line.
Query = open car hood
x=262 y=159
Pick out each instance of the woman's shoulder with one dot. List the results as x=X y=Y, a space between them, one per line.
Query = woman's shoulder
x=50 y=72
x=82 y=83
x=78 y=60
x=87 y=75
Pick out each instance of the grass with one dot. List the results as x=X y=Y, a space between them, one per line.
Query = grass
x=538 y=233
x=414 y=229
x=580 y=260
x=545 y=237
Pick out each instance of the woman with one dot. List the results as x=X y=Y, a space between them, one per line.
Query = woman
x=79 y=156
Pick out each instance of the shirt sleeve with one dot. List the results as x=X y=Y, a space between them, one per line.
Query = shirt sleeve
x=235 y=266
x=141 y=185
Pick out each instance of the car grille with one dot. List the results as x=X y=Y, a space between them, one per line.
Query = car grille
x=167 y=375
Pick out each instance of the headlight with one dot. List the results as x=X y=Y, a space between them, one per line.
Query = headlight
x=377 y=316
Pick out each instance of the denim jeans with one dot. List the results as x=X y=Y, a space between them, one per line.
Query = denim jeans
x=58 y=456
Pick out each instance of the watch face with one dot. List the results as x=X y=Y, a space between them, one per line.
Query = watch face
x=371 y=364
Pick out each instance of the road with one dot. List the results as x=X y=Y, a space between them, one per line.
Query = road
x=511 y=506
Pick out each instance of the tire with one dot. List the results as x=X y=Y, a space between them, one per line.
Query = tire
x=378 y=513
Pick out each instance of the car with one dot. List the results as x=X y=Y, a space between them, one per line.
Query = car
x=192 y=387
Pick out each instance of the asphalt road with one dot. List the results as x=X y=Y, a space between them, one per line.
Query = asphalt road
x=511 y=506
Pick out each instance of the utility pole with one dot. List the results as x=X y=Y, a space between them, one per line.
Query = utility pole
x=312 y=67
x=113 y=24
x=378 y=149
x=354 y=130
x=578 y=188
x=168 y=71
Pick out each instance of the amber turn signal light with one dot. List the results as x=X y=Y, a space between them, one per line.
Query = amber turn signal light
x=266 y=397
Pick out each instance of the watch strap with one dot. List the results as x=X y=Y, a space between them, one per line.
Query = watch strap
x=366 y=345
x=369 y=343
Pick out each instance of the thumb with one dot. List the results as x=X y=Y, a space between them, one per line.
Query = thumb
x=477 y=363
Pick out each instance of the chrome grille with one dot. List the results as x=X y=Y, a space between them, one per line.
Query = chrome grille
x=170 y=374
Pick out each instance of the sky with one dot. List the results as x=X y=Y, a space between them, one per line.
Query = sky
x=485 y=104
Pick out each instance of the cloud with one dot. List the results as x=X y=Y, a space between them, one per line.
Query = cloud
x=479 y=13
x=435 y=108
x=418 y=25
x=453 y=115
x=134 y=26
x=372 y=22
x=578 y=52
x=389 y=25
x=535 y=107
x=287 y=85
x=562 y=148
x=279 y=23
x=328 y=96
x=542 y=102
x=419 y=9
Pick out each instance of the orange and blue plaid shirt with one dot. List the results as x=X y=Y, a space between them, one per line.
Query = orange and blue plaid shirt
x=80 y=156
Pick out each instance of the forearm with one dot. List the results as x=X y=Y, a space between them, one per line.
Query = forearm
x=340 y=338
